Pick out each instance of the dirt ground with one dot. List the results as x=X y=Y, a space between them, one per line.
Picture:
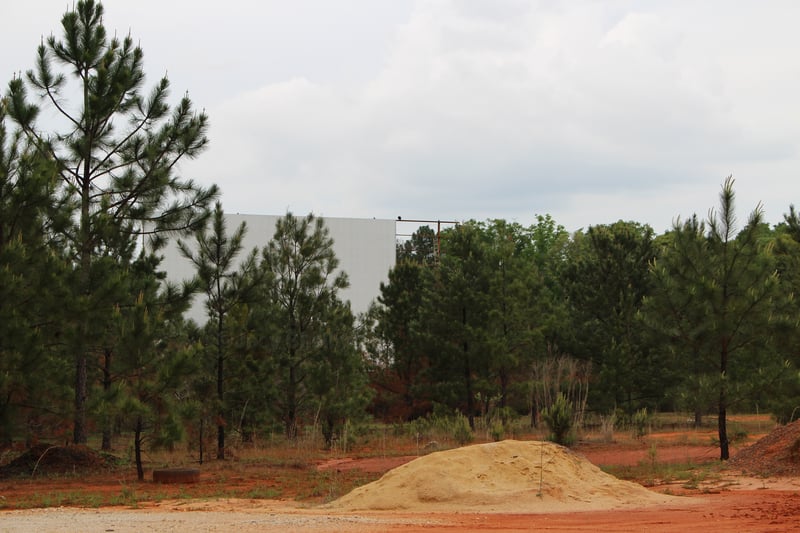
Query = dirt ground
x=728 y=502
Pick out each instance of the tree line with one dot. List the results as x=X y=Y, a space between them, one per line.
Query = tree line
x=93 y=339
x=701 y=319
x=487 y=318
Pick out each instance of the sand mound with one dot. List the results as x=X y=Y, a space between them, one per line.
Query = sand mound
x=776 y=454
x=509 y=476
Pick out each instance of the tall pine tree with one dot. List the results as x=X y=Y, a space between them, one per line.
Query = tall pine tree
x=227 y=283
x=116 y=155
x=715 y=300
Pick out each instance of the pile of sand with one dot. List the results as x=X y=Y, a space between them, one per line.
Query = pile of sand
x=509 y=476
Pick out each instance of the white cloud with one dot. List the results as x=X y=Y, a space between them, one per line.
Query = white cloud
x=591 y=111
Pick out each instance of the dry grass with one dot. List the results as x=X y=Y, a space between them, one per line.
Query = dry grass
x=272 y=468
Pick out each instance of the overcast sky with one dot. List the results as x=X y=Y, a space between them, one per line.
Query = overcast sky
x=590 y=111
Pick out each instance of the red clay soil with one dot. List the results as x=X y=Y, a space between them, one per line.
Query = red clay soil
x=725 y=512
x=732 y=503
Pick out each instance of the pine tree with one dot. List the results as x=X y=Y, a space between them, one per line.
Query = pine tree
x=338 y=379
x=515 y=320
x=154 y=362
x=226 y=286
x=116 y=156
x=607 y=275
x=715 y=300
x=303 y=290
x=456 y=313
x=33 y=283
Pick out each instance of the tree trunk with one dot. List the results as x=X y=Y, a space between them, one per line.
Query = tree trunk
x=724 y=453
x=5 y=416
x=220 y=393
x=107 y=420
x=202 y=436
x=722 y=422
x=79 y=431
x=137 y=446
x=86 y=249
x=468 y=375
x=504 y=377
x=220 y=416
x=505 y=381
x=291 y=404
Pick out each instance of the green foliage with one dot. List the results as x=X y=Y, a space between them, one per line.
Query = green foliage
x=227 y=288
x=314 y=366
x=420 y=249
x=441 y=425
x=561 y=375
x=607 y=425
x=477 y=324
x=115 y=160
x=394 y=343
x=461 y=431
x=719 y=309
x=640 y=422
x=497 y=431
x=455 y=310
x=606 y=277
x=559 y=420
x=338 y=379
x=34 y=288
x=701 y=318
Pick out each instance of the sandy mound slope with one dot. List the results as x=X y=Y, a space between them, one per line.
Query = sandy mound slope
x=776 y=454
x=499 y=477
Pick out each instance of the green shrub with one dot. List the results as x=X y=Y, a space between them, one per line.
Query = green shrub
x=497 y=432
x=460 y=430
x=639 y=421
x=558 y=418
x=607 y=424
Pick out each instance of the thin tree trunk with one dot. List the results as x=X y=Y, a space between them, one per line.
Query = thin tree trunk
x=79 y=431
x=290 y=412
x=220 y=393
x=107 y=420
x=202 y=436
x=81 y=381
x=505 y=380
x=468 y=374
x=137 y=446
x=722 y=421
x=291 y=404
x=724 y=452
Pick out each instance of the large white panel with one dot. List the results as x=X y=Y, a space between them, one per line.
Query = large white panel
x=365 y=249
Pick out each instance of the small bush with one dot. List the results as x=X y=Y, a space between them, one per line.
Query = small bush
x=607 y=424
x=460 y=429
x=640 y=420
x=739 y=435
x=453 y=426
x=497 y=432
x=558 y=418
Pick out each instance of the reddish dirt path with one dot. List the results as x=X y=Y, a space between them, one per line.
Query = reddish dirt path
x=605 y=455
x=732 y=503
x=725 y=512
